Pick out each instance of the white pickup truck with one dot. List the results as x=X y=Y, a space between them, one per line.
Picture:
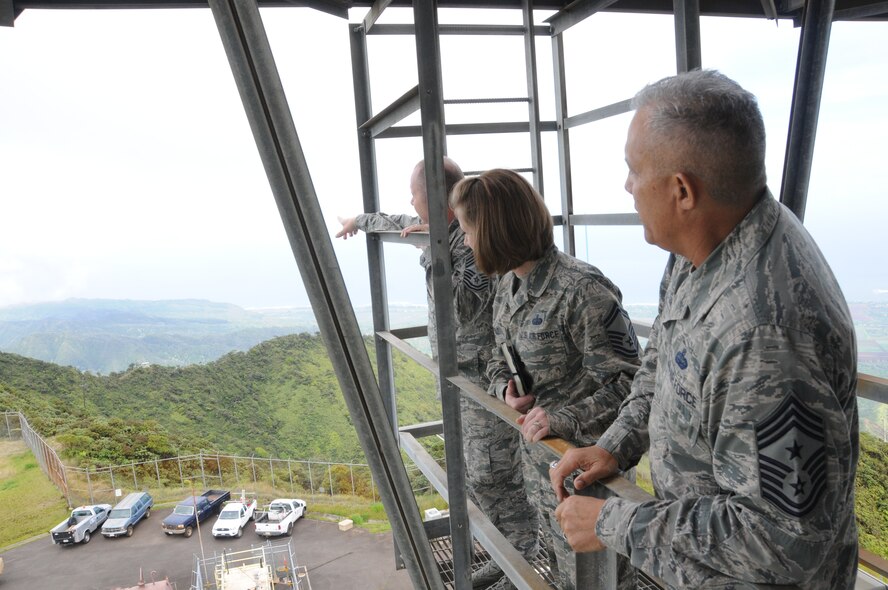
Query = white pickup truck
x=279 y=517
x=80 y=526
x=234 y=517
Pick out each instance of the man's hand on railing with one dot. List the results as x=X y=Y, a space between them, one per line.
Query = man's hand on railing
x=534 y=424
x=577 y=517
x=414 y=228
x=594 y=462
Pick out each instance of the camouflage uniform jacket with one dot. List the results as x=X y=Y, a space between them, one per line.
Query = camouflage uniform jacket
x=566 y=323
x=746 y=396
x=473 y=294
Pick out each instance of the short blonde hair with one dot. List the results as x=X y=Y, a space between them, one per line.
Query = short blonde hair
x=511 y=222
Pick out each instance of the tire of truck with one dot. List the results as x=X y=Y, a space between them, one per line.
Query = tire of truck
x=86 y=537
x=188 y=532
x=290 y=529
x=240 y=532
x=148 y=514
x=129 y=531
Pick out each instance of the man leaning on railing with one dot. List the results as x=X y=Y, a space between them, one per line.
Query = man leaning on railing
x=746 y=394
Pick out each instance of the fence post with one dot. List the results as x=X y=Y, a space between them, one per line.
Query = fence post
x=111 y=471
x=219 y=465
x=352 y=474
x=330 y=476
x=310 y=480
x=89 y=486
x=236 y=476
x=290 y=473
x=8 y=429
x=203 y=477
x=157 y=471
x=67 y=489
x=135 y=481
x=271 y=468
x=253 y=465
x=181 y=477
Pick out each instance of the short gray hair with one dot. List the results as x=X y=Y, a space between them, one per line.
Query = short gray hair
x=713 y=130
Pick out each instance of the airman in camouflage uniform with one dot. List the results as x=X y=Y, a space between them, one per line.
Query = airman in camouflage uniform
x=490 y=446
x=746 y=394
x=566 y=324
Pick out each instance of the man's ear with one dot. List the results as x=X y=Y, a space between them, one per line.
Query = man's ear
x=685 y=191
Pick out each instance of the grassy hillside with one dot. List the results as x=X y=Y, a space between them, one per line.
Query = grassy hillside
x=280 y=399
x=23 y=484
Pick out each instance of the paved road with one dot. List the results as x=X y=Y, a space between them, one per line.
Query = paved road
x=336 y=560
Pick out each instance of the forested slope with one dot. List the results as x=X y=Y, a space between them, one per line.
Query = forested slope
x=280 y=398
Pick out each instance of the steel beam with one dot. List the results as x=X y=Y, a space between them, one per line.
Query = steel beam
x=255 y=73
x=576 y=12
x=611 y=110
x=533 y=96
x=688 y=55
x=563 y=140
x=522 y=574
x=7 y=13
x=872 y=388
x=808 y=88
x=479 y=30
x=859 y=12
x=403 y=107
x=606 y=219
x=417 y=238
x=431 y=93
x=370 y=192
x=374 y=13
x=467 y=129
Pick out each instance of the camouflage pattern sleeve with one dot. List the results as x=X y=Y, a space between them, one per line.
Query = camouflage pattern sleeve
x=370 y=222
x=766 y=513
x=498 y=373
x=602 y=331
x=627 y=438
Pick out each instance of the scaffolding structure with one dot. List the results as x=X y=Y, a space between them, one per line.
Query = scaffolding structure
x=371 y=398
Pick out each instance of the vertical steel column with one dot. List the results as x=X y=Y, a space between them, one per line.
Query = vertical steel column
x=807 y=90
x=688 y=55
x=563 y=138
x=249 y=54
x=370 y=190
x=431 y=98
x=533 y=95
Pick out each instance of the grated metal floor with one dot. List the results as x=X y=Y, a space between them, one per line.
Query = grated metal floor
x=443 y=553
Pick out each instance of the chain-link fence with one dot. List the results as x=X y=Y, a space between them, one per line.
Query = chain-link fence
x=204 y=469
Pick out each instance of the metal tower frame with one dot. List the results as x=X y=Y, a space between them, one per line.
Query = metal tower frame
x=372 y=404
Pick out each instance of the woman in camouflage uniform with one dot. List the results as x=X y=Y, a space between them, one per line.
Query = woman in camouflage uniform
x=565 y=323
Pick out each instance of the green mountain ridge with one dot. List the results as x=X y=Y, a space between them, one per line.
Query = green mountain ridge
x=280 y=398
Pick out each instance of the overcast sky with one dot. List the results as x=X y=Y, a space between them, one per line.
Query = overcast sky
x=128 y=169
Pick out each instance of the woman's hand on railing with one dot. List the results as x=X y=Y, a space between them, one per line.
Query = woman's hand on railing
x=594 y=462
x=534 y=425
x=519 y=403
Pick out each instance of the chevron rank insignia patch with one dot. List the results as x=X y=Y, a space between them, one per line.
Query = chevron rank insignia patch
x=620 y=332
x=792 y=457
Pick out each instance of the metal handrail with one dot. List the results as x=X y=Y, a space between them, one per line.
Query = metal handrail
x=868 y=387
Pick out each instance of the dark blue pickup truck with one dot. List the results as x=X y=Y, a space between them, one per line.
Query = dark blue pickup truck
x=183 y=520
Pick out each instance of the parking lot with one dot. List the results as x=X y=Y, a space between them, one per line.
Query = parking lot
x=335 y=559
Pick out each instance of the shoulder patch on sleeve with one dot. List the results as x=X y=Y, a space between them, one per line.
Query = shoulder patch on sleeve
x=473 y=278
x=792 y=457
x=620 y=332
